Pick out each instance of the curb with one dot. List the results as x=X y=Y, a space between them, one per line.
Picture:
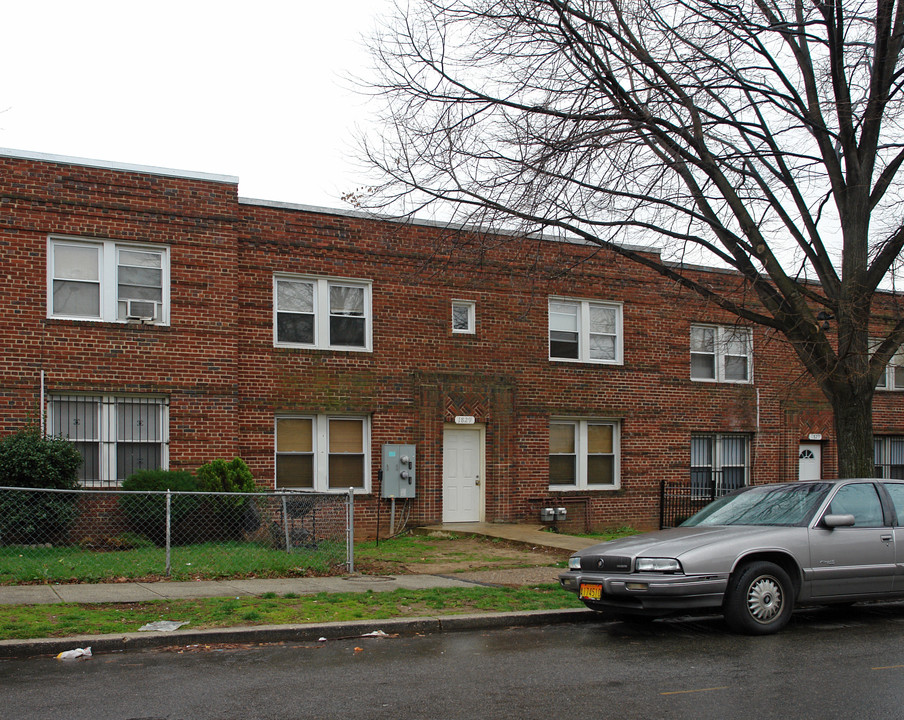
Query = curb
x=20 y=649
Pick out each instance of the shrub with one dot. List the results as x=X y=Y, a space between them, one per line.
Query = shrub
x=28 y=459
x=147 y=513
x=231 y=477
x=231 y=515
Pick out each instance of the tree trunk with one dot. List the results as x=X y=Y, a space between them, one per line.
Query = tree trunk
x=853 y=410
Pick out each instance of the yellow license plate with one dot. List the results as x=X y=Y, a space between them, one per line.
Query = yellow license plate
x=590 y=591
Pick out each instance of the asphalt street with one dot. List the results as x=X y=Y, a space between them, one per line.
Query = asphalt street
x=827 y=664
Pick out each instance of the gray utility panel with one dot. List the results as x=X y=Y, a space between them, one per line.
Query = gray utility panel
x=398 y=471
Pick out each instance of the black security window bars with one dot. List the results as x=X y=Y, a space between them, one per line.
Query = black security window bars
x=115 y=435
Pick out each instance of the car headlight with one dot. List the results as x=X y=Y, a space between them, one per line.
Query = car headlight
x=574 y=562
x=659 y=565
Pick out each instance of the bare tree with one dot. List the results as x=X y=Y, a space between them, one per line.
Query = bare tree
x=762 y=135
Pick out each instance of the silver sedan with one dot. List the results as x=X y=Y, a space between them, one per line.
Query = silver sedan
x=754 y=555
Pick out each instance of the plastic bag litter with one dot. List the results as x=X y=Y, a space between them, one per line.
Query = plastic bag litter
x=74 y=654
x=163 y=625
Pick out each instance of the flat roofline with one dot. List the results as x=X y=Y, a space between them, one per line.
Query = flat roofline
x=123 y=167
x=365 y=215
x=319 y=210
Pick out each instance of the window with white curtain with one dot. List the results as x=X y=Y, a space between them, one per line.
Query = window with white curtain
x=585 y=331
x=107 y=280
x=322 y=313
x=893 y=377
x=721 y=354
x=719 y=463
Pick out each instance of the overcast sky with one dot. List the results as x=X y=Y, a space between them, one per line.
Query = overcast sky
x=251 y=89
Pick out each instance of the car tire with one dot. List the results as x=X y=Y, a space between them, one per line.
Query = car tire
x=759 y=599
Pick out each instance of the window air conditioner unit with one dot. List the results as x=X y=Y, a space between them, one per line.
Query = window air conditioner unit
x=141 y=310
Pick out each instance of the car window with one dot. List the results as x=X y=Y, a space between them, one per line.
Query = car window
x=896 y=491
x=789 y=505
x=860 y=500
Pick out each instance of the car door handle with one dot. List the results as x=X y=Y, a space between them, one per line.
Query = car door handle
x=886 y=538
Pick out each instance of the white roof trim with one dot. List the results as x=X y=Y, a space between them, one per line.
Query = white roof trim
x=125 y=167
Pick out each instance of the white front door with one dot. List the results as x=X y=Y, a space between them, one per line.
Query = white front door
x=461 y=475
x=809 y=464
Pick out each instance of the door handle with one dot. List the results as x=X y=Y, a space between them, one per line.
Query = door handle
x=886 y=538
x=477 y=480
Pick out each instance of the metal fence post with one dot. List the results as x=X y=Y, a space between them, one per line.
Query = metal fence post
x=169 y=525
x=350 y=530
x=285 y=515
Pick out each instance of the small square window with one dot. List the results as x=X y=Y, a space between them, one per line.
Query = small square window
x=463 y=313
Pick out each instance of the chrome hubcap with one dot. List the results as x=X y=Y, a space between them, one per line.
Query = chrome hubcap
x=764 y=599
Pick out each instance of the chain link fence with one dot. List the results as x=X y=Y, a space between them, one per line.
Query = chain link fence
x=109 y=535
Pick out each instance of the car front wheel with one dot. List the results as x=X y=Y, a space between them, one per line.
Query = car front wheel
x=759 y=599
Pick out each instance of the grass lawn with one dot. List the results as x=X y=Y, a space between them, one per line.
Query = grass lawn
x=208 y=560
x=64 y=620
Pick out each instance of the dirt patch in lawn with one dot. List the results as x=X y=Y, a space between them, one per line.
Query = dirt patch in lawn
x=444 y=556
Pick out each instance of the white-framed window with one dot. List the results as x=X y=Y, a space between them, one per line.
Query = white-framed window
x=888 y=452
x=721 y=354
x=115 y=435
x=893 y=377
x=107 y=280
x=584 y=454
x=719 y=463
x=322 y=313
x=585 y=331
x=322 y=452
x=463 y=317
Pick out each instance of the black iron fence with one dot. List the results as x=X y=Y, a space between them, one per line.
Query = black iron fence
x=678 y=500
x=103 y=535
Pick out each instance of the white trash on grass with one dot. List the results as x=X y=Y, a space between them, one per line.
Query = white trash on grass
x=163 y=626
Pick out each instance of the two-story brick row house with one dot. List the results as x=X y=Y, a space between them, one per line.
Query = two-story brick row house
x=158 y=320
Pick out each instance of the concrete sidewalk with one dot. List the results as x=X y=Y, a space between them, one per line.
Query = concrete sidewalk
x=127 y=592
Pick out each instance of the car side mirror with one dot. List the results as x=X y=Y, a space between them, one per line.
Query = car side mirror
x=834 y=521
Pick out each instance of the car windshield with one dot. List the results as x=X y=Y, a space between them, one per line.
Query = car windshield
x=764 y=505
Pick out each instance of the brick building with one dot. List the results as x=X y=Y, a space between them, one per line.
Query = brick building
x=159 y=320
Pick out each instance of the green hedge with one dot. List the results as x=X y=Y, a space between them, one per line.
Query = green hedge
x=28 y=459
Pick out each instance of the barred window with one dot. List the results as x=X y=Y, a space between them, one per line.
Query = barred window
x=889 y=456
x=719 y=463
x=115 y=435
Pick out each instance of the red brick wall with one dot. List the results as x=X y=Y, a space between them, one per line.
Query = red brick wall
x=226 y=380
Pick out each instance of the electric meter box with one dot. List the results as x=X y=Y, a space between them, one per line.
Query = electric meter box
x=398 y=471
